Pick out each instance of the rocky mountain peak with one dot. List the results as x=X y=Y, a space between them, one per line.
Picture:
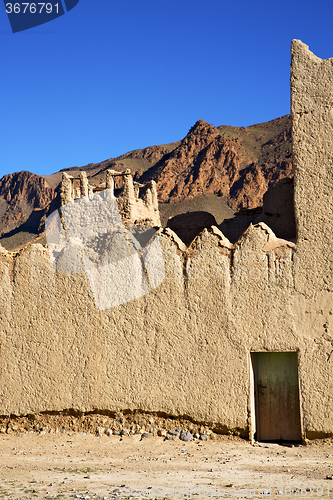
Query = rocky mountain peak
x=233 y=165
x=199 y=136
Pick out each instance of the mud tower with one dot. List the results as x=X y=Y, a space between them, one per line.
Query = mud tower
x=133 y=208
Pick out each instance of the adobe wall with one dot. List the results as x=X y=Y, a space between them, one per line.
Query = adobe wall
x=184 y=348
x=181 y=349
x=312 y=130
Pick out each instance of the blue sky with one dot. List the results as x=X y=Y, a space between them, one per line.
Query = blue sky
x=112 y=76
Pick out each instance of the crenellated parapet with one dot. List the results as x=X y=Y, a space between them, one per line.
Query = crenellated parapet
x=134 y=207
x=217 y=302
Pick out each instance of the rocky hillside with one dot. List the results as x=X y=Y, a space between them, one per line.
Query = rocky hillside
x=236 y=163
x=230 y=168
x=21 y=194
x=204 y=162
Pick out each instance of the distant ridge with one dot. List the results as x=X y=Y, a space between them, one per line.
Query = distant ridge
x=215 y=169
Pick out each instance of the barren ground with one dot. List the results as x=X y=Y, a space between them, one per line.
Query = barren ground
x=73 y=465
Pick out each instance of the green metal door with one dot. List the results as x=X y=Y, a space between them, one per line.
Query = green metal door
x=277 y=396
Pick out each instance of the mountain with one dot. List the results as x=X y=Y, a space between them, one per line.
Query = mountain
x=23 y=196
x=204 y=162
x=234 y=163
x=209 y=160
x=215 y=169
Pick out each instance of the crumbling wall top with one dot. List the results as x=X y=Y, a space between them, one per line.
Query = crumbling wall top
x=133 y=208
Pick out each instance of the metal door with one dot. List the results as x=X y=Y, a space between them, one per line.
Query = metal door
x=277 y=396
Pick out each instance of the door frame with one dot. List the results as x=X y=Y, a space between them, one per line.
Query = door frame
x=253 y=399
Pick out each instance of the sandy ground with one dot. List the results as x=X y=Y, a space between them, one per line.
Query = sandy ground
x=85 y=466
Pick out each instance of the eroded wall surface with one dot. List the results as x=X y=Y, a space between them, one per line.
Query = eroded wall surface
x=181 y=349
x=184 y=348
x=312 y=132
